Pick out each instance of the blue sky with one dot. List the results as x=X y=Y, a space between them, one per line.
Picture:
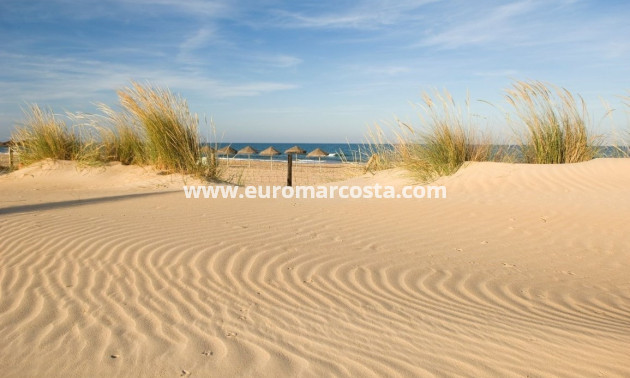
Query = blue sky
x=307 y=71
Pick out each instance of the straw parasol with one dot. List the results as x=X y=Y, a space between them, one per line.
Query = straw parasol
x=318 y=153
x=206 y=150
x=227 y=150
x=295 y=150
x=271 y=152
x=248 y=150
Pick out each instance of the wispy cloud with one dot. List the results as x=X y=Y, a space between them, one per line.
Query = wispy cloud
x=367 y=14
x=199 y=40
x=483 y=26
x=365 y=54
x=44 y=79
x=98 y=9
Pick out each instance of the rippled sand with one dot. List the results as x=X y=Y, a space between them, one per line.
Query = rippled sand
x=523 y=270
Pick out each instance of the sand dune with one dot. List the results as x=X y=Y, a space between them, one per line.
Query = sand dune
x=522 y=271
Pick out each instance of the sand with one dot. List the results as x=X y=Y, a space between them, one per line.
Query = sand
x=523 y=270
x=257 y=172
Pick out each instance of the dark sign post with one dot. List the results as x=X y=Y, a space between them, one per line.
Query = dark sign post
x=290 y=170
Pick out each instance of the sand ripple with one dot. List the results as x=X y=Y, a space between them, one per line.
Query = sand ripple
x=164 y=286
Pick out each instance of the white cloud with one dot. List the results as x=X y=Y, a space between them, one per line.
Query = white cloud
x=202 y=38
x=75 y=84
x=367 y=14
x=483 y=26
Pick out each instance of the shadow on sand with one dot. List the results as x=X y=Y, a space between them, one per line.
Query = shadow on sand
x=79 y=202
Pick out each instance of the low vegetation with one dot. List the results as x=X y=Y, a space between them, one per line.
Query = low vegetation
x=555 y=124
x=152 y=127
x=553 y=128
x=445 y=139
x=44 y=136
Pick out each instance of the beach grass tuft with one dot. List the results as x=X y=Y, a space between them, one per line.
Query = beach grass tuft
x=171 y=137
x=446 y=138
x=555 y=124
x=121 y=138
x=377 y=151
x=44 y=136
x=153 y=127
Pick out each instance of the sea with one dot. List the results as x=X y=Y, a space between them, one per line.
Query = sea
x=345 y=152
x=359 y=153
x=337 y=152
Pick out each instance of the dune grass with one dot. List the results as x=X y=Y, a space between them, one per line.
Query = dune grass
x=44 y=136
x=555 y=131
x=122 y=140
x=445 y=139
x=377 y=152
x=170 y=131
x=555 y=124
x=153 y=127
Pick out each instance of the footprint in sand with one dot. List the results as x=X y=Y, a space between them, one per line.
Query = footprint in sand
x=506 y=265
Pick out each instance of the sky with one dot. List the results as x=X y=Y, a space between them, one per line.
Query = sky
x=308 y=71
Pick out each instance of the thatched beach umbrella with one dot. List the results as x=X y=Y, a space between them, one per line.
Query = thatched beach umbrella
x=319 y=154
x=227 y=150
x=271 y=152
x=248 y=150
x=206 y=150
x=295 y=150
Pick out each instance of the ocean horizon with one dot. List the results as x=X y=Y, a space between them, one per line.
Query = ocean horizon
x=337 y=152
x=347 y=152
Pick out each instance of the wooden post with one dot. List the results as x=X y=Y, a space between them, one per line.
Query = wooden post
x=290 y=170
x=10 y=157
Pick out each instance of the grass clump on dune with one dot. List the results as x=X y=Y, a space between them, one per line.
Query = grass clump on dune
x=556 y=130
x=446 y=139
x=171 y=139
x=121 y=138
x=43 y=136
x=377 y=152
x=153 y=127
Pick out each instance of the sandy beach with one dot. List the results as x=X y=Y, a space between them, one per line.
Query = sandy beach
x=523 y=270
